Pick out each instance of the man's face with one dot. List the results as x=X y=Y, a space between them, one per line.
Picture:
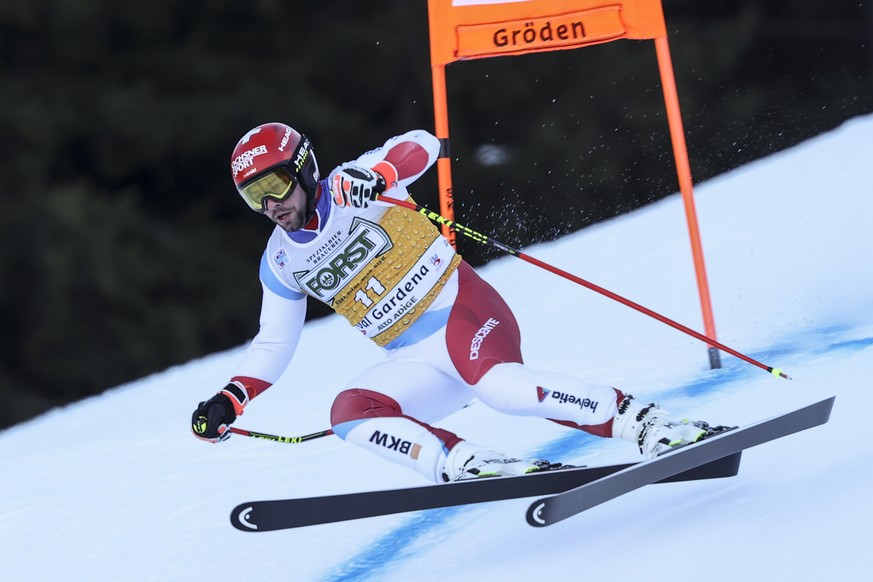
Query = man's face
x=290 y=213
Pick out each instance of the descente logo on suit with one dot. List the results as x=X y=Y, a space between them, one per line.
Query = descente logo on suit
x=480 y=336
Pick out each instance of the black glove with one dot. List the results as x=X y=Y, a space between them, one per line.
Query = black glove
x=357 y=187
x=212 y=419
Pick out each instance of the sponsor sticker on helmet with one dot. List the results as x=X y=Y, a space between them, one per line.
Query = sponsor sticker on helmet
x=246 y=159
x=302 y=155
x=284 y=143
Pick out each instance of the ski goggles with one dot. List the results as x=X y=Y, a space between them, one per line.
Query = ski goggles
x=277 y=184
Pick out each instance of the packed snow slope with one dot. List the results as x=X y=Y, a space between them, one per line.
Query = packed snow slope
x=116 y=488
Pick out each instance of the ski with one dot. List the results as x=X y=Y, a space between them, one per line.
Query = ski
x=550 y=510
x=259 y=516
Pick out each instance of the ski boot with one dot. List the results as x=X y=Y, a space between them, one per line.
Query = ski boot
x=469 y=461
x=654 y=431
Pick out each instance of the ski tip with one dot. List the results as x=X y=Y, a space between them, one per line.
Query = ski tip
x=536 y=513
x=241 y=518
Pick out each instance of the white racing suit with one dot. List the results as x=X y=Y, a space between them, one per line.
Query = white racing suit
x=447 y=335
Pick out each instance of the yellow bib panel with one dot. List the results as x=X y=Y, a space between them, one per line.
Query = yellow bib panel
x=397 y=286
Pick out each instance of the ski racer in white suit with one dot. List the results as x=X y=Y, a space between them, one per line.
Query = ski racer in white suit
x=447 y=335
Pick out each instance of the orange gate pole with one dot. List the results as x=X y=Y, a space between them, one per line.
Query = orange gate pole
x=683 y=169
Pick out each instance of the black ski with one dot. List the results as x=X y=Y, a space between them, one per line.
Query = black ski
x=258 y=516
x=550 y=510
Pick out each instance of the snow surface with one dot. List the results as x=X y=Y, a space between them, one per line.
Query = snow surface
x=116 y=488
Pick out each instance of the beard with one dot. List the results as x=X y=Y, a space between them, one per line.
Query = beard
x=292 y=220
x=290 y=214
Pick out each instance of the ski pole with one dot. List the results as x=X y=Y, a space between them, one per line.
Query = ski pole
x=281 y=439
x=488 y=241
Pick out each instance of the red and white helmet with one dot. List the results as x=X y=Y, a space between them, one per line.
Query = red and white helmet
x=269 y=161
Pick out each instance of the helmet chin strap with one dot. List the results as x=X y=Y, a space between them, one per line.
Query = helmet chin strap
x=312 y=197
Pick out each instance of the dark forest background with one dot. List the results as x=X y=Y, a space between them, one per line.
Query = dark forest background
x=124 y=248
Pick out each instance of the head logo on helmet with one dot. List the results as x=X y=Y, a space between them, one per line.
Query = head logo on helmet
x=273 y=147
x=284 y=143
x=303 y=153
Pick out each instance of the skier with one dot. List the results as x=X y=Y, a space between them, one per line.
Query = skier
x=447 y=335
